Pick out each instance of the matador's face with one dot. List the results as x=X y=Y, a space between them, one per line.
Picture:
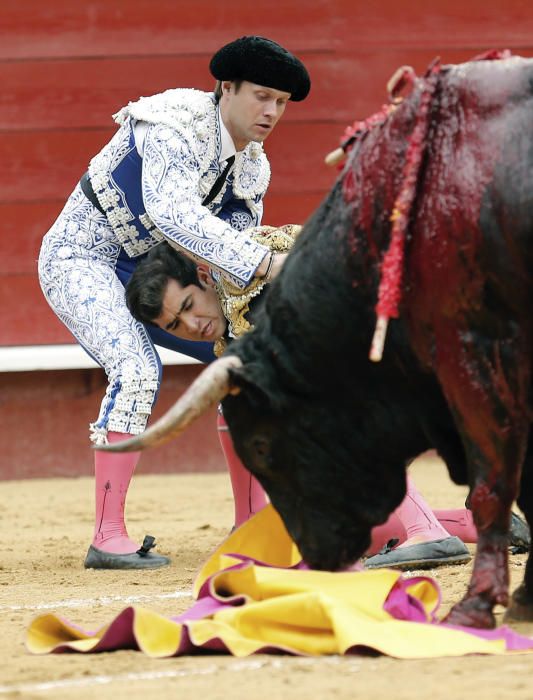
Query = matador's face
x=192 y=312
x=250 y=112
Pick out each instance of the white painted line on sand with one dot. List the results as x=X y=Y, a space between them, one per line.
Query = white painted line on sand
x=101 y=680
x=237 y=667
x=101 y=600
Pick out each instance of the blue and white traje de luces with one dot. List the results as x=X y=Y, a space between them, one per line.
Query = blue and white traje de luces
x=150 y=179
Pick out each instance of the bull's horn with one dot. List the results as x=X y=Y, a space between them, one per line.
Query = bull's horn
x=335 y=156
x=211 y=386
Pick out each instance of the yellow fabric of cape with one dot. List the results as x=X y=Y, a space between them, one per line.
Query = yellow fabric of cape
x=292 y=610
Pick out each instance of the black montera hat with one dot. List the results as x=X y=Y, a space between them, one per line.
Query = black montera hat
x=264 y=62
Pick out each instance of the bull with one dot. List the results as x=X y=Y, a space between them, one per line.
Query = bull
x=431 y=219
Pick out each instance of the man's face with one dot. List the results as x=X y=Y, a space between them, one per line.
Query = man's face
x=191 y=312
x=251 y=113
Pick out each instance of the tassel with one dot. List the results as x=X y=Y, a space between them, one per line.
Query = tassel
x=98 y=436
x=390 y=290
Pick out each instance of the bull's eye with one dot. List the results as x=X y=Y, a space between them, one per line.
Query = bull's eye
x=261 y=446
x=258 y=453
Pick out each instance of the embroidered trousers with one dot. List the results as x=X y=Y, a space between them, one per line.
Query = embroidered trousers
x=82 y=270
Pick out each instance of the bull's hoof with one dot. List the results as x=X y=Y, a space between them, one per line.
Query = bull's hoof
x=521 y=607
x=471 y=612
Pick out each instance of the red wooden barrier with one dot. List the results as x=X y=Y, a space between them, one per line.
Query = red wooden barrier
x=45 y=416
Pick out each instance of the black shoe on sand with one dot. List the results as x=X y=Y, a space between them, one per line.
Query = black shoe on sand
x=141 y=559
x=425 y=555
x=519 y=535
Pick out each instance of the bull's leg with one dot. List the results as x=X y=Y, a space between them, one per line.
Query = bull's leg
x=489 y=584
x=486 y=383
x=521 y=608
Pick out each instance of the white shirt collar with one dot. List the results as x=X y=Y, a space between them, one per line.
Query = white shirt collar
x=227 y=147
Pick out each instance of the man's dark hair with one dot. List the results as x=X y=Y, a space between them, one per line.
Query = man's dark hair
x=147 y=285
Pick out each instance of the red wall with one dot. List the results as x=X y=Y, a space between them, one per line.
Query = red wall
x=65 y=67
x=45 y=418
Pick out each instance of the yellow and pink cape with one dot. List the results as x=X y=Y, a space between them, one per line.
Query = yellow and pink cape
x=253 y=595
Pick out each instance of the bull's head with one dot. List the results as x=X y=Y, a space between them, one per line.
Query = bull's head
x=306 y=464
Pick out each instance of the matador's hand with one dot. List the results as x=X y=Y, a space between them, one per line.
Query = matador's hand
x=279 y=240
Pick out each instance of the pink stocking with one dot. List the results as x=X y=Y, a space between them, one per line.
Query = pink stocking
x=248 y=493
x=412 y=520
x=458 y=522
x=418 y=518
x=113 y=472
x=391 y=529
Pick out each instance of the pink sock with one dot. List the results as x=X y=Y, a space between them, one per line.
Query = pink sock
x=458 y=522
x=113 y=472
x=412 y=518
x=391 y=529
x=248 y=493
x=418 y=518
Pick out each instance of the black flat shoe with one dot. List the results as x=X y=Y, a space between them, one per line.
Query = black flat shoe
x=519 y=535
x=425 y=555
x=141 y=559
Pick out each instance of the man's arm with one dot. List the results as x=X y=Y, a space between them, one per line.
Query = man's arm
x=171 y=197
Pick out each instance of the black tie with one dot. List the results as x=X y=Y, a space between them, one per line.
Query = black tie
x=217 y=186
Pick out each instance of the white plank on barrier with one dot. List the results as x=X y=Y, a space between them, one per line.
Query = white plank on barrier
x=30 y=358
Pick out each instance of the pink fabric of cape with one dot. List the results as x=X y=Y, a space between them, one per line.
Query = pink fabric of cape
x=254 y=595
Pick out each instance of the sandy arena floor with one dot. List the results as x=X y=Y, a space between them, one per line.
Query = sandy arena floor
x=46 y=527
